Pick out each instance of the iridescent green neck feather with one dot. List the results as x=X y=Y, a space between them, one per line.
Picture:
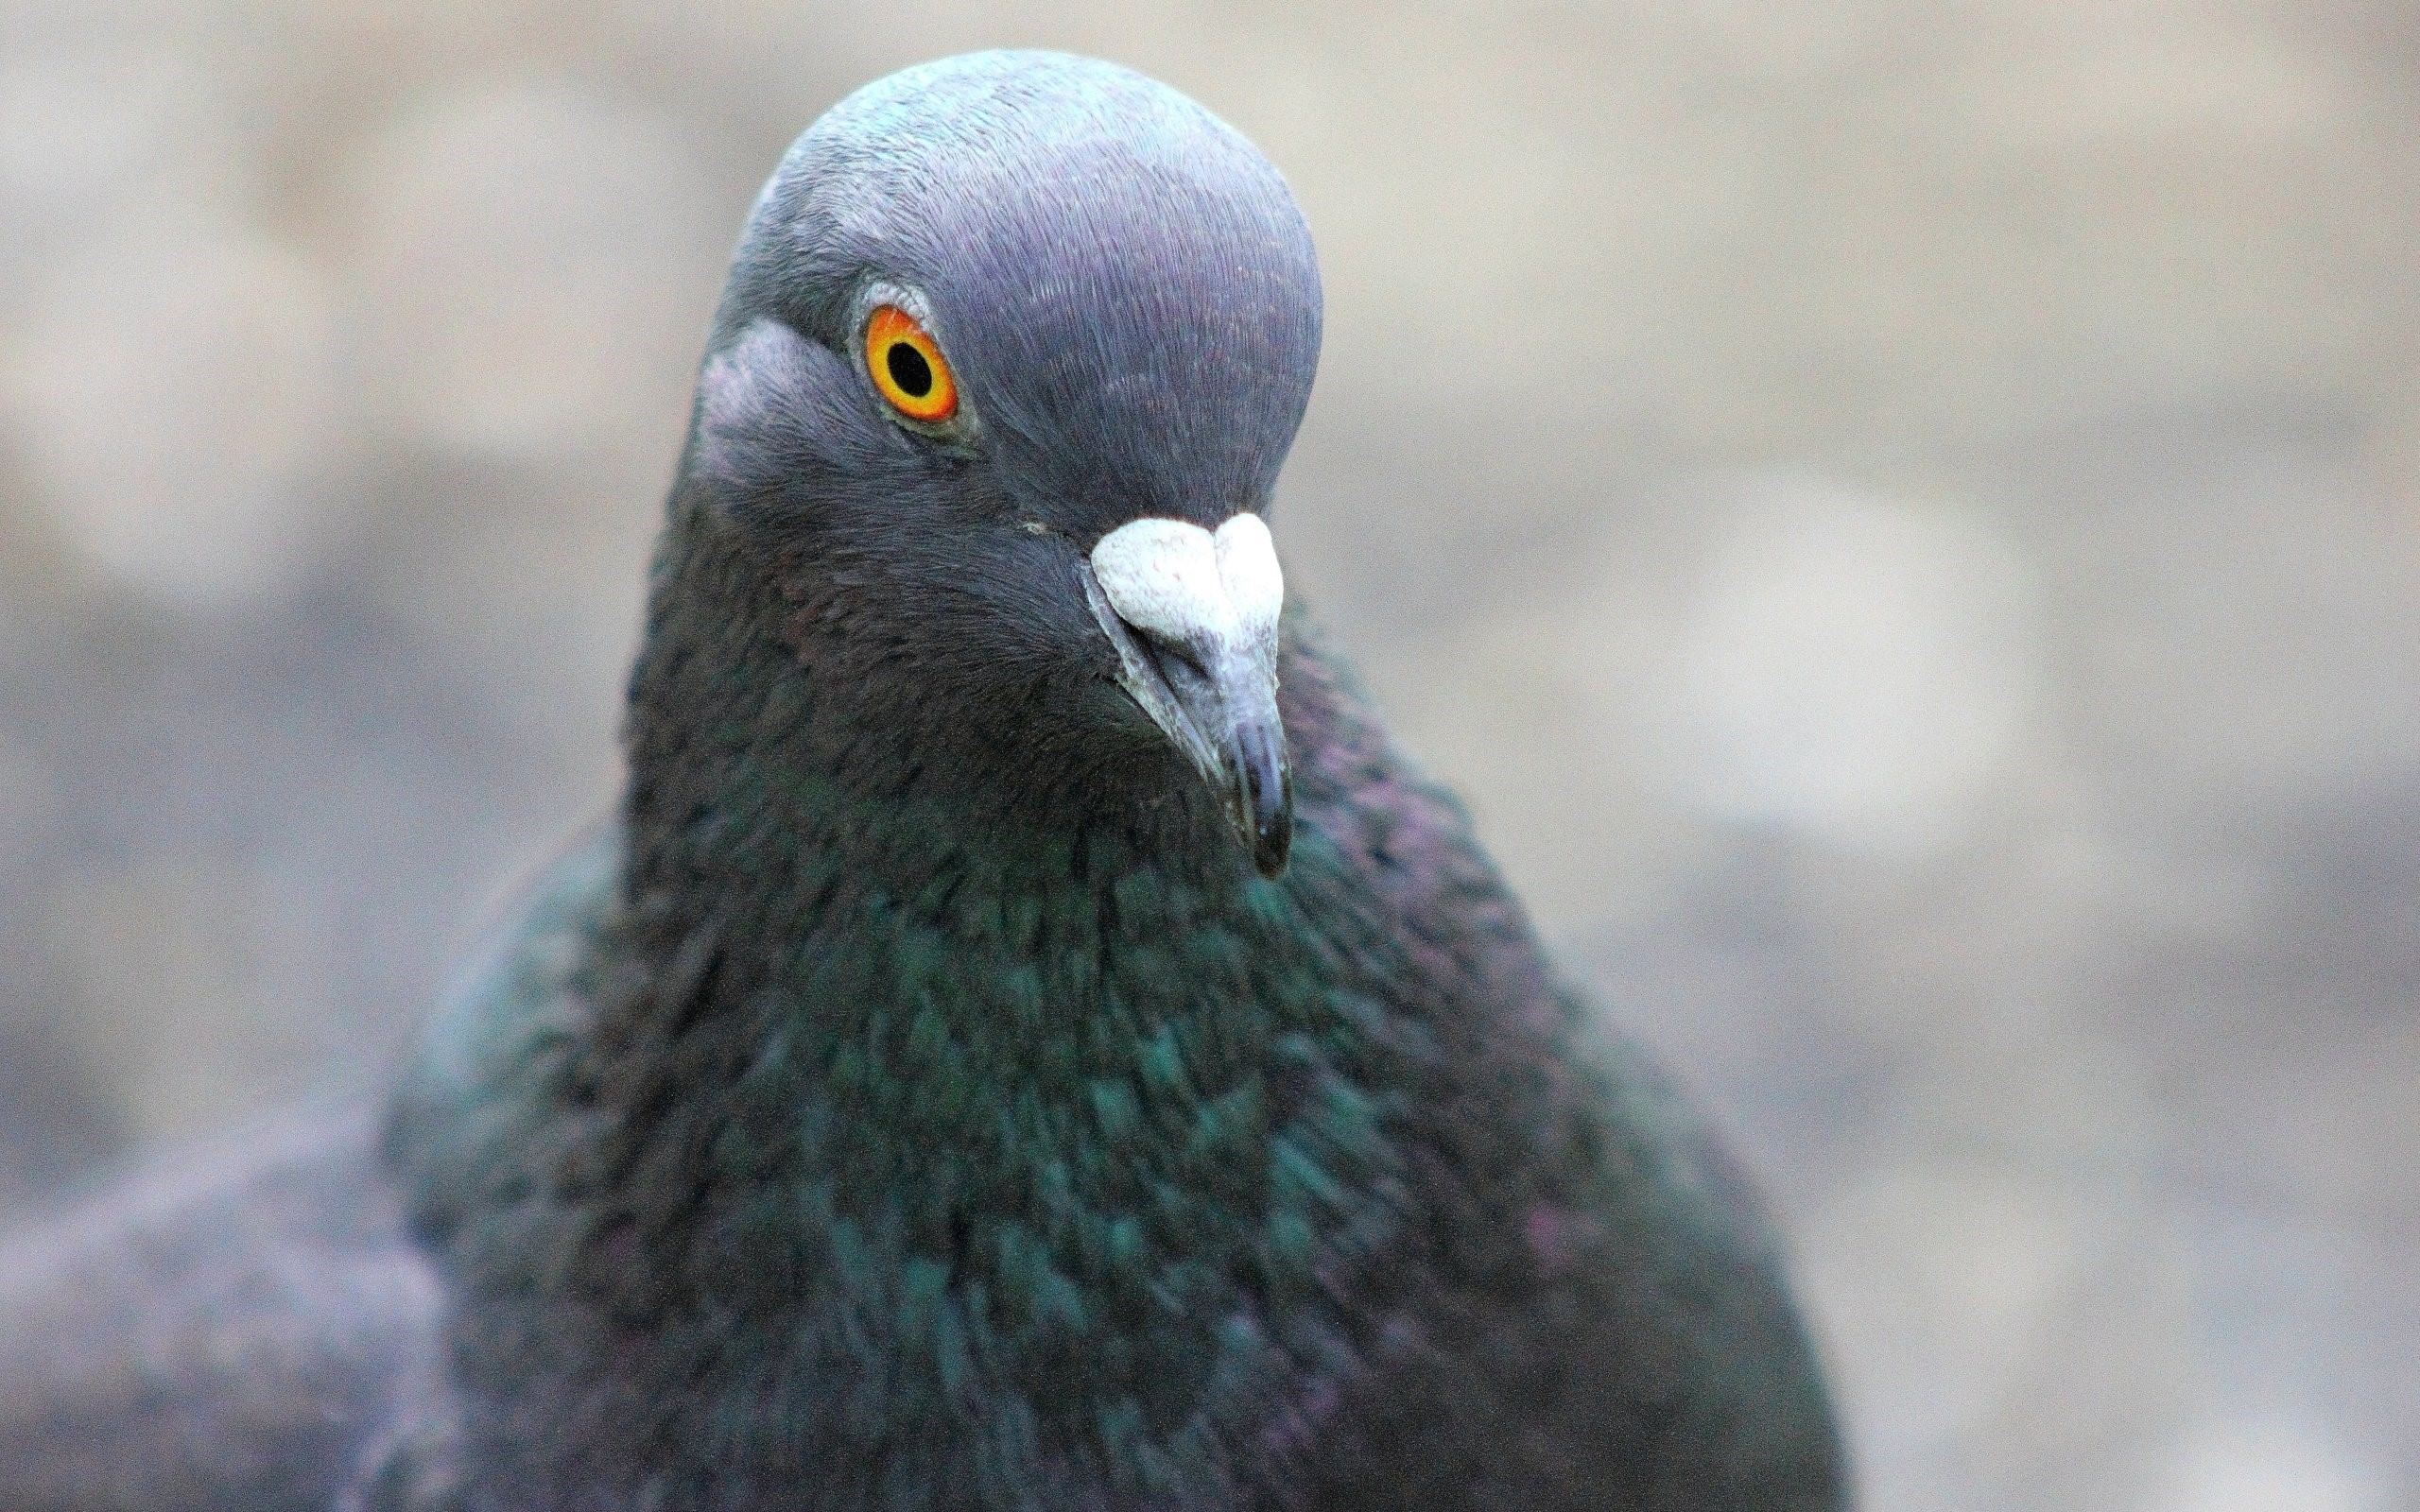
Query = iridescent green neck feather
x=1044 y=1109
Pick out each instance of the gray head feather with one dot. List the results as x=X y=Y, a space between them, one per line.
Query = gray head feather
x=1121 y=281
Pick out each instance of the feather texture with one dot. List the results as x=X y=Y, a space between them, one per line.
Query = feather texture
x=915 y=1098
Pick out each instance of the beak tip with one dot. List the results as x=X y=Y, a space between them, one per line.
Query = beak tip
x=1263 y=796
x=1271 y=844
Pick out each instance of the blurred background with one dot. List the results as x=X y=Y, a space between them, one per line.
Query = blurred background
x=1900 y=516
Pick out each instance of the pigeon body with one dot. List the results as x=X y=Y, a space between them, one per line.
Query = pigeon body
x=1027 y=1040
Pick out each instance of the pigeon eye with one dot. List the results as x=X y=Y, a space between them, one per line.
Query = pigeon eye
x=906 y=366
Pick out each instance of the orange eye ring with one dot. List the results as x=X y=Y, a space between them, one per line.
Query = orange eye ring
x=906 y=366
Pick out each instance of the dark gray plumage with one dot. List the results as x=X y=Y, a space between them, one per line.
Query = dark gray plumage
x=1027 y=1040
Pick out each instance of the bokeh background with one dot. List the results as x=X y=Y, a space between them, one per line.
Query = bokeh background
x=1901 y=516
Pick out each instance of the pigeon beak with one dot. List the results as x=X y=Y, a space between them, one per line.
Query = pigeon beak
x=1192 y=615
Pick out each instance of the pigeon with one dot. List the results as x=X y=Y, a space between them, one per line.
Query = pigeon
x=1026 y=1038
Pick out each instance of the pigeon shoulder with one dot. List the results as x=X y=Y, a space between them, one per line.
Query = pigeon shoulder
x=1606 y=1225
x=233 y=1330
x=501 y=1033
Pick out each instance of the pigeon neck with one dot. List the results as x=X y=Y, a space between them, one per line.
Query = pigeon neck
x=1060 y=1058
x=1073 y=1112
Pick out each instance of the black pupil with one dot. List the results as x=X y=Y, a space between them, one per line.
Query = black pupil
x=909 y=370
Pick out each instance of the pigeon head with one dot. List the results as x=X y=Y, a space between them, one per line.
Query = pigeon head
x=1013 y=348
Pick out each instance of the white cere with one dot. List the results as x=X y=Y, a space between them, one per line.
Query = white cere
x=1179 y=583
